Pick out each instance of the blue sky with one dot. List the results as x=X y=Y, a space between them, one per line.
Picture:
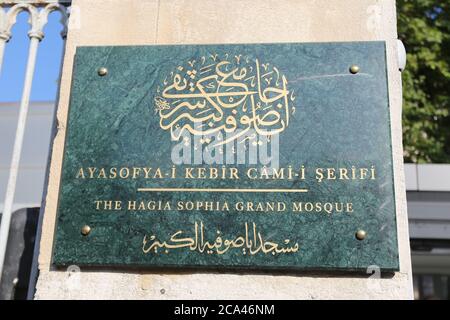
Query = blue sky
x=47 y=69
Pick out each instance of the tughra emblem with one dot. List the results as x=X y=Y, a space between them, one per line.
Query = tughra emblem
x=230 y=97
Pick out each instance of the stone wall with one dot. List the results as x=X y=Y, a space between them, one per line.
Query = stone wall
x=144 y=22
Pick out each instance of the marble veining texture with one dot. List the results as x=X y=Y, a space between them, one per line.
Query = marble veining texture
x=340 y=120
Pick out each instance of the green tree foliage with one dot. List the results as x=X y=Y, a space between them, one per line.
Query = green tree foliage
x=424 y=28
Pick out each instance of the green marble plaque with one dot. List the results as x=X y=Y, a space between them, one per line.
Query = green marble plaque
x=252 y=156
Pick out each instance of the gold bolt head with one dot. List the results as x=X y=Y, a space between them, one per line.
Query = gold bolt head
x=361 y=235
x=354 y=69
x=85 y=230
x=102 y=72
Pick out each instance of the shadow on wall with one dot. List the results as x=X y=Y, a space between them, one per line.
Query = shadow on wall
x=19 y=254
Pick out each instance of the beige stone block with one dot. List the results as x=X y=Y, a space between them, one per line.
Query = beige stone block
x=135 y=22
x=240 y=21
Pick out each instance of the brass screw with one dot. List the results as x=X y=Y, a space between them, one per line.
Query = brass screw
x=361 y=235
x=102 y=72
x=85 y=230
x=354 y=69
